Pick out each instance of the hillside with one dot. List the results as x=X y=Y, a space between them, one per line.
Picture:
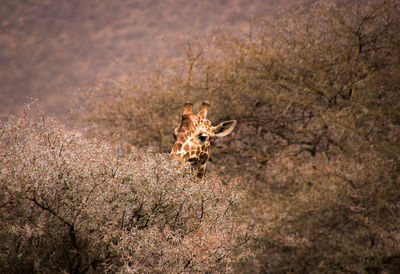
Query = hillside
x=48 y=48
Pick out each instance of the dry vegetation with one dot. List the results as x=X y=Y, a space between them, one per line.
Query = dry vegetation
x=77 y=205
x=316 y=156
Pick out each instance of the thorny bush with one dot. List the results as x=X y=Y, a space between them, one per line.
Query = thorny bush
x=69 y=204
x=316 y=93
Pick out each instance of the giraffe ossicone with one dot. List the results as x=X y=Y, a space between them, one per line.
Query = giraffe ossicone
x=194 y=134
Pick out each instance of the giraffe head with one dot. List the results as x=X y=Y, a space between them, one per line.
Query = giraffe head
x=194 y=134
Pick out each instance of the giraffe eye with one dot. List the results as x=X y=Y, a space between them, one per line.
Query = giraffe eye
x=174 y=135
x=203 y=137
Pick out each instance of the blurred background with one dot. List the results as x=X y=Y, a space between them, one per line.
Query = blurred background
x=48 y=48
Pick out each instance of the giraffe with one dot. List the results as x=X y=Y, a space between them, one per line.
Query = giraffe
x=194 y=134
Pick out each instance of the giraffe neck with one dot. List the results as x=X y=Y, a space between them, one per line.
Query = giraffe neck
x=189 y=145
x=194 y=134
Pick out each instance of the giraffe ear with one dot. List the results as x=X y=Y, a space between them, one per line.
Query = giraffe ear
x=224 y=128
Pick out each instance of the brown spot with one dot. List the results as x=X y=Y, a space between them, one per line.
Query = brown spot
x=203 y=158
x=186 y=148
x=201 y=172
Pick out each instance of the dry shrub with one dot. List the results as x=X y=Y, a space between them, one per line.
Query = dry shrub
x=70 y=204
x=324 y=216
x=316 y=94
x=322 y=76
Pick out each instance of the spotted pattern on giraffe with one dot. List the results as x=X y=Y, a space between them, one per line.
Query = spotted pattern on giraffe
x=194 y=135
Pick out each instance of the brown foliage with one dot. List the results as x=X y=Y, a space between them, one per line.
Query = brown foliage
x=316 y=96
x=77 y=205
